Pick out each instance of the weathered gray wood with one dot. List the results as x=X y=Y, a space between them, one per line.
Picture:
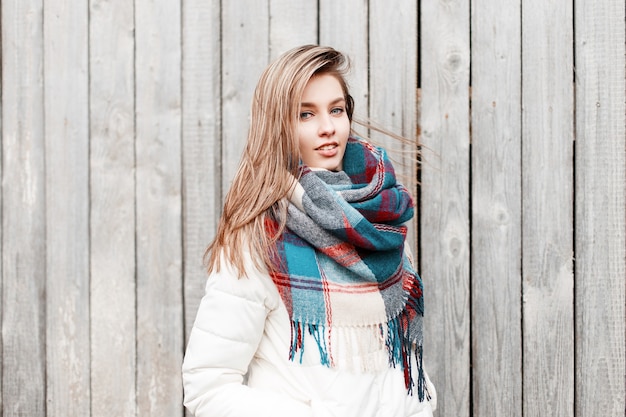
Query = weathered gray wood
x=291 y=25
x=343 y=26
x=547 y=205
x=160 y=334
x=600 y=205
x=496 y=209
x=445 y=233
x=23 y=384
x=393 y=88
x=66 y=101
x=112 y=220
x=245 y=54
x=202 y=199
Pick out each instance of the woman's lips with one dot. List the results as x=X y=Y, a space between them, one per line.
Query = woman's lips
x=328 y=149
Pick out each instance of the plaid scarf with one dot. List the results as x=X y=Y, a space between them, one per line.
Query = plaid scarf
x=341 y=265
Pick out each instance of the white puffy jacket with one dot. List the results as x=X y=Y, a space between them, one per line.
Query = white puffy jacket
x=237 y=362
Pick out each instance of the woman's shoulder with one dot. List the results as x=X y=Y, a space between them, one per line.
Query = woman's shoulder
x=254 y=284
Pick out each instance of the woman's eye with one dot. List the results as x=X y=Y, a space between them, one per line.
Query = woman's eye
x=337 y=110
x=305 y=115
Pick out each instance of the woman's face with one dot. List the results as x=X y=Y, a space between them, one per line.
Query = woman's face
x=324 y=127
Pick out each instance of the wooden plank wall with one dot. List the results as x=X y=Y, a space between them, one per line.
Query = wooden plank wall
x=496 y=209
x=112 y=205
x=600 y=202
x=122 y=124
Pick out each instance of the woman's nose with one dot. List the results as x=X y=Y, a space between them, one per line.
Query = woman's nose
x=326 y=126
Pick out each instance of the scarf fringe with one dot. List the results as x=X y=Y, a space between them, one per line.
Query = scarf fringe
x=297 y=341
x=401 y=351
x=400 y=348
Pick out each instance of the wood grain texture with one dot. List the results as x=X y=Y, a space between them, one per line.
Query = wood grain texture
x=160 y=334
x=291 y=24
x=445 y=233
x=23 y=382
x=66 y=103
x=496 y=209
x=112 y=209
x=245 y=54
x=343 y=26
x=600 y=230
x=547 y=204
x=201 y=118
x=393 y=88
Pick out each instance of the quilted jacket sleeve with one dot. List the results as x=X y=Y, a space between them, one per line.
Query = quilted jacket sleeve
x=226 y=333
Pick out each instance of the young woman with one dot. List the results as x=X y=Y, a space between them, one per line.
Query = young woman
x=312 y=306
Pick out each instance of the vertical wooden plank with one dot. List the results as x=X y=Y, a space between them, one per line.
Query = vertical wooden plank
x=202 y=198
x=67 y=207
x=291 y=24
x=23 y=211
x=344 y=26
x=159 y=214
x=600 y=202
x=245 y=54
x=496 y=209
x=393 y=72
x=547 y=187
x=445 y=208
x=393 y=85
x=112 y=223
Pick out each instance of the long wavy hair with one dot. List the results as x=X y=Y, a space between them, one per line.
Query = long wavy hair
x=271 y=157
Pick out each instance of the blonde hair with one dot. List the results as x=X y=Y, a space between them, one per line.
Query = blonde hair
x=271 y=157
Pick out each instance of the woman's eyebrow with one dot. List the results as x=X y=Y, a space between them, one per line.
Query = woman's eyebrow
x=332 y=103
